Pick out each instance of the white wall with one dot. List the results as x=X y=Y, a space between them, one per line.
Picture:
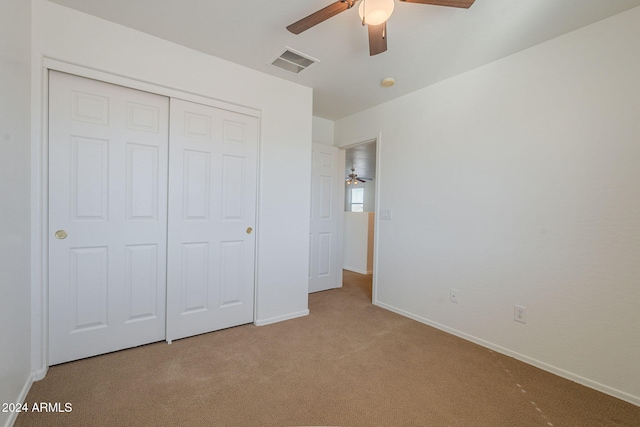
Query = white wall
x=369 y=195
x=322 y=131
x=15 y=370
x=358 y=242
x=529 y=194
x=285 y=136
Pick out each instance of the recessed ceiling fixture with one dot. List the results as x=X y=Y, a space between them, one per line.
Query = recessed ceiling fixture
x=388 y=82
x=374 y=14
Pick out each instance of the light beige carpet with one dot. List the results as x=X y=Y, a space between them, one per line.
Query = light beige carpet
x=348 y=363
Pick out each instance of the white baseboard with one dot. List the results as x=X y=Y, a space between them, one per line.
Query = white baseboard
x=39 y=374
x=357 y=270
x=634 y=400
x=264 y=322
x=21 y=398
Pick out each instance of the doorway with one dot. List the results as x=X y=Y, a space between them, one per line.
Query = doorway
x=360 y=209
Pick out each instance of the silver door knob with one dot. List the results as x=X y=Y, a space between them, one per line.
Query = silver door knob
x=61 y=234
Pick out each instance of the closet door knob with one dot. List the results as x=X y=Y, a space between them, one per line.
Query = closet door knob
x=249 y=230
x=61 y=234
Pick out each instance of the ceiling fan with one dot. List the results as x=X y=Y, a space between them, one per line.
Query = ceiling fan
x=353 y=178
x=374 y=13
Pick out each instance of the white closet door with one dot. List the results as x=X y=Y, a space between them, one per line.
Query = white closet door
x=107 y=217
x=212 y=208
x=325 y=236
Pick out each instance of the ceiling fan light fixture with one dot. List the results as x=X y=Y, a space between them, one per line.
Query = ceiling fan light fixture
x=375 y=12
x=352 y=177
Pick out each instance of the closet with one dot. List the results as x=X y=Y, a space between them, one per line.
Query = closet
x=152 y=205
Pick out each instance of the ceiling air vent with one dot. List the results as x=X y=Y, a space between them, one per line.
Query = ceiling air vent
x=293 y=61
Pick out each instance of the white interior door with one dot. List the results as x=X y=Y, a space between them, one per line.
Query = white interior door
x=212 y=211
x=107 y=217
x=325 y=239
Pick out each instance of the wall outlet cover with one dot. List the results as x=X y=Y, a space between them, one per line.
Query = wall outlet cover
x=520 y=313
x=454 y=295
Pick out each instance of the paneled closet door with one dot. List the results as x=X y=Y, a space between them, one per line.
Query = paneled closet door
x=108 y=150
x=212 y=212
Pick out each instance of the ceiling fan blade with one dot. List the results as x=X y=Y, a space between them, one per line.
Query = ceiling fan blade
x=377 y=38
x=451 y=3
x=319 y=16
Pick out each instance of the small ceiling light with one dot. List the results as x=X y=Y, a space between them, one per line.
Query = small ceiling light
x=375 y=12
x=388 y=82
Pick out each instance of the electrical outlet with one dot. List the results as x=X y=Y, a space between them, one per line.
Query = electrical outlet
x=520 y=314
x=454 y=295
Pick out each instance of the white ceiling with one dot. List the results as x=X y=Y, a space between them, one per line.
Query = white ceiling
x=426 y=44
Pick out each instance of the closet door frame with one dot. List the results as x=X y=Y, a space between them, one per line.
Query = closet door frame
x=40 y=187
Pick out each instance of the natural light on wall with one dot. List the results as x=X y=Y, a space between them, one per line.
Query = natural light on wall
x=375 y=12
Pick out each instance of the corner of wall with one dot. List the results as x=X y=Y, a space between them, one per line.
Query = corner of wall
x=323 y=131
